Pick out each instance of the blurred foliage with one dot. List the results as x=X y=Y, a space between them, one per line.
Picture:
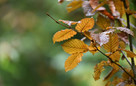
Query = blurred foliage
x=27 y=54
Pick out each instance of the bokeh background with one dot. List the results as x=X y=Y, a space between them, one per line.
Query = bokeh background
x=28 y=56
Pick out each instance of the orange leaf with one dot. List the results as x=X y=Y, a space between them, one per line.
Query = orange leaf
x=88 y=35
x=98 y=69
x=130 y=54
x=115 y=56
x=63 y=35
x=85 y=24
x=103 y=22
x=93 y=49
x=75 y=46
x=73 y=61
x=113 y=43
x=75 y=4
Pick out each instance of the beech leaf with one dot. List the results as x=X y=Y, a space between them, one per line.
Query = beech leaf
x=130 y=54
x=63 y=35
x=69 y=23
x=75 y=46
x=73 y=61
x=113 y=43
x=75 y=4
x=85 y=24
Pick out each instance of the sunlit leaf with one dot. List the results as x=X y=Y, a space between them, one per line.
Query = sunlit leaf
x=75 y=46
x=63 y=35
x=75 y=4
x=85 y=24
x=93 y=49
x=103 y=22
x=73 y=61
x=113 y=43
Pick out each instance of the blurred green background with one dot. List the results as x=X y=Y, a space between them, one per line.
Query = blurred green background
x=28 y=56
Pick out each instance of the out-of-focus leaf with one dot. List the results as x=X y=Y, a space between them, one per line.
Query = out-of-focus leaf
x=73 y=61
x=75 y=4
x=75 y=46
x=63 y=35
x=93 y=49
x=130 y=54
x=69 y=23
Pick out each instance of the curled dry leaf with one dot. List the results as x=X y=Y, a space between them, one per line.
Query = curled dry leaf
x=102 y=38
x=63 y=35
x=73 y=61
x=85 y=24
x=75 y=4
x=69 y=23
x=126 y=30
x=60 y=1
x=75 y=46
x=87 y=8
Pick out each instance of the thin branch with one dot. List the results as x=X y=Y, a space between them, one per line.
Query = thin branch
x=126 y=58
x=130 y=41
x=96 y=48
x=57 y=21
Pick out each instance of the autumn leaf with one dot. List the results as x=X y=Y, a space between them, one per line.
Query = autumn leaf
x=115 y=56
x=122 y=44
x=98 y=69
x=63 y=35
x=88 y=35
x=93 y=49
x=113 y=43
x=60 y=1
x=75 y=46
x=85 y=24
x=103 y=22
x=130 y=53
x=75 y=4
x=69 y=23
x=119 y=6
x=73 y=61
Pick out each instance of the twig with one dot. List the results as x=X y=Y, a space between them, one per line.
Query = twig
x=130 y=41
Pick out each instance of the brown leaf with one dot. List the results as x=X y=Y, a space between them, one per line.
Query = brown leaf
x=63 y=35
x=60 y=1
x=103 y=22
x=93 y=49
x=119 y=6
x=88 y=35
x=75 y=4
x=115 y=56
x=130 y=54
x=75 y=46
x=73 y=61
x=85 y=24
x=113 y=43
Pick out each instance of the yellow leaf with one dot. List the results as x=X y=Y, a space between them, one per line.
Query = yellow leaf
x=113 y=43
x=119 y=6
x=115 y=56
x=98 y=69
x=85 y=24
x=75 y=46
x=63 y=35
x=103 y=22
x=93 y=49
x=73 y=61
x=75 y=4
x=130 y=54
x=122 y=44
